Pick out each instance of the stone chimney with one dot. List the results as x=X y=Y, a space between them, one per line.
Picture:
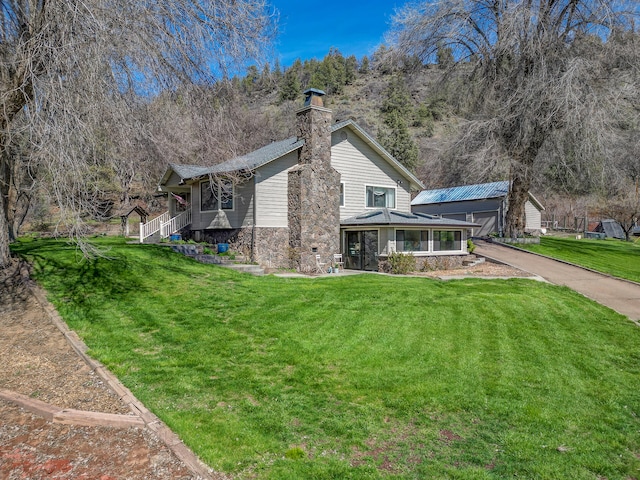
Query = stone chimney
x=314 y=189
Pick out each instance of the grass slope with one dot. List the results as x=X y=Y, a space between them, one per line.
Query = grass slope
x=620 y=259
x=359 y=376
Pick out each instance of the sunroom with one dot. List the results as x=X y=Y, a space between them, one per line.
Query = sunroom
x=367 y=239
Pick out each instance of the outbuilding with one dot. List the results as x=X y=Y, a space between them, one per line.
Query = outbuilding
x=484 y=204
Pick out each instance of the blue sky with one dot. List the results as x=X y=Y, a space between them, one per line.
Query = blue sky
x=310 y=29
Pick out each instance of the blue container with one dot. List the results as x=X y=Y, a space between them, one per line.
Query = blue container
x=176 y=237
x=223 y=247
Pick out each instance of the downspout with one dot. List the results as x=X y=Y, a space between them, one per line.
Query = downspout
x=253 y=223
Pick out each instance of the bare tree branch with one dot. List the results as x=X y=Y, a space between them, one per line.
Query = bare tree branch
x=71 y=70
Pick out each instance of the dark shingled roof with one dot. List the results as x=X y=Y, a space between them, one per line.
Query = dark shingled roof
x=275 y=150
x=384 y=216
x=250 y=161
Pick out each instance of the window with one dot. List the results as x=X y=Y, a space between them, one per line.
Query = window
x=447 y=240
x=412 y=240
x=216 y=196
x=226 y=195
x=342 y=194
x=381 y=197
x=208 y=197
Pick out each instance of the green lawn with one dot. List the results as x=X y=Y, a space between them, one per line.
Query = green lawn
x=361 y=376
x=614 y=257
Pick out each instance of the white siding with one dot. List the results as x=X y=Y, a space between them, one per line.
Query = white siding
x=272 y=191
x=359 y=165
x=533 y=216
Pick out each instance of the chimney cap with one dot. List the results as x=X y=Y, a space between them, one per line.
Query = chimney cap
x=313 y=96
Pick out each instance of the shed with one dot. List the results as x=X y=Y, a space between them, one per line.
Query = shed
x=611 y=229
x=484 y=204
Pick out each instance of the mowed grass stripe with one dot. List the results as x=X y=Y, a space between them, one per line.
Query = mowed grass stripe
x=613 y=257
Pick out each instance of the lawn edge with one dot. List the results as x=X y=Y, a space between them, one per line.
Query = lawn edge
x=514 y=247
x=151 y=421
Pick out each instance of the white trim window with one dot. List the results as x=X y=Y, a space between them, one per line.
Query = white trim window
x=412 y=240
x=218 y=196
x=447 y=240
x=342 y=194
x=380 y=197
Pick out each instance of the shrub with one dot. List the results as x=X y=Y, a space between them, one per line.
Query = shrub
x=470 y=246
x=401 y=263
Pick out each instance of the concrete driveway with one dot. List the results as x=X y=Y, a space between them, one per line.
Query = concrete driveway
x=619 y=295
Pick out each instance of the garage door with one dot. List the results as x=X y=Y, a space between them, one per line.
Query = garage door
x=489 y=222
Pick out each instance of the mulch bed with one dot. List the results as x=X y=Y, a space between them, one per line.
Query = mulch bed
x=38 y=362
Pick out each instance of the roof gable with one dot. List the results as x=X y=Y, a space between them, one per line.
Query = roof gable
x=380 y=150
x=262 y=156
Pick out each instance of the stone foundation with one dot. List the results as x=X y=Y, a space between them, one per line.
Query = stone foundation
x=271 y=247
x=239 y=239
x=268 y=247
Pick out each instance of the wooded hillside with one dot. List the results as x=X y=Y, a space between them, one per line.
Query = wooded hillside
x=414 y=109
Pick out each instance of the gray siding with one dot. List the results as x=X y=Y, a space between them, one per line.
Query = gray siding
x=446 y=209
x=271 y=182
x=174 y=180
x=359 y=165
x=487 y=212
x=240 y=216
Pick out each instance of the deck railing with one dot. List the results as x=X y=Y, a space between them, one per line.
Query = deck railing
x=175 y=224
x=152 y=226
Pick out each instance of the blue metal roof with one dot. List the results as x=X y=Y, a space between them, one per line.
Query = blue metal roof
x=462 y=193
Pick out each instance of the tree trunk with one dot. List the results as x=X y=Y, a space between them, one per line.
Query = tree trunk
x=516 y=200
x=5 y=256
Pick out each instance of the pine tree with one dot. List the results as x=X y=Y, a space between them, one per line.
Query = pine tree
x=397 y=140
x=364 y=65
x=396 y=109
x=252 y=77
x=351 y=68
x=290 y=86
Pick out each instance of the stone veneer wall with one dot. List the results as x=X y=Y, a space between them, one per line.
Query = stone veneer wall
x=314 y=193
x=239 y=239
x=271 y=247
x=267 y=246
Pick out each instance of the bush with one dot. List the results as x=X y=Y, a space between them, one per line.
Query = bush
x=470 y=246
x=401 y=263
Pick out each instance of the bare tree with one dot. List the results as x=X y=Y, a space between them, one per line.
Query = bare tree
x=69 y=69
x=528 y=75
x=624 y=209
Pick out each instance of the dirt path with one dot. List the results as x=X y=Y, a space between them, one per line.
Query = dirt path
x=619 y=295
x=37 y=361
